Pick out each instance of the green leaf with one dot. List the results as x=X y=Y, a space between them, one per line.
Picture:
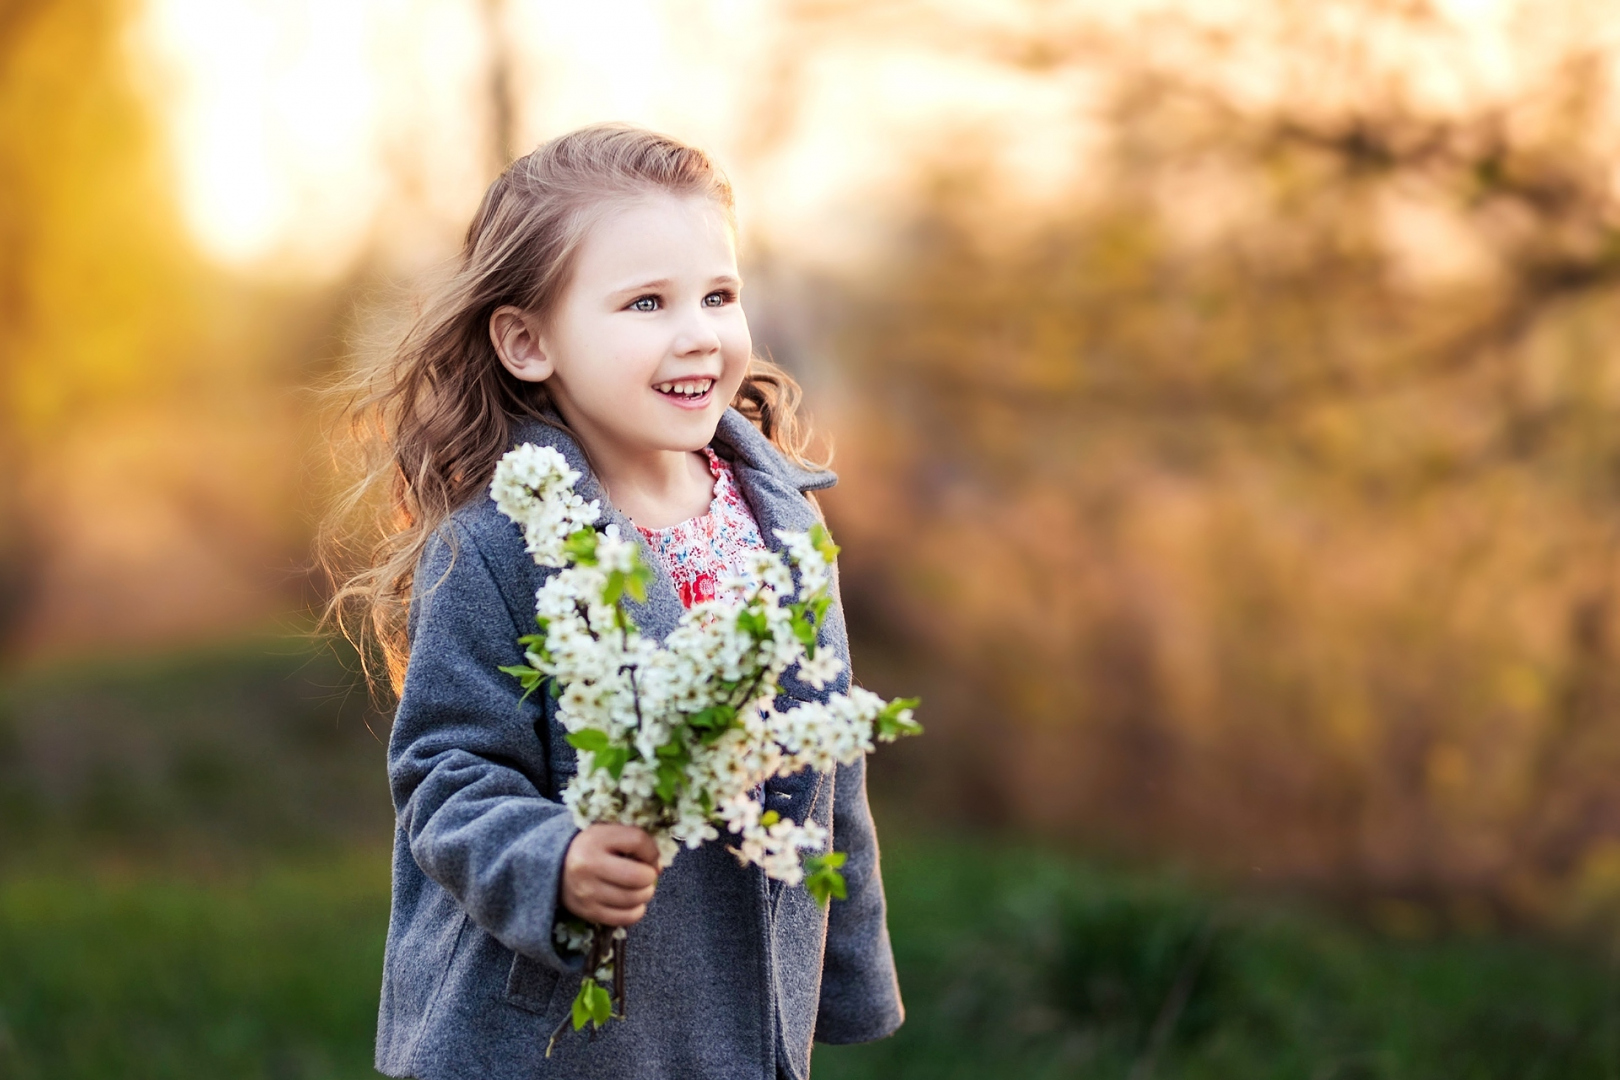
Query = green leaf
x=821 y=540
x=527 y=677
x=534 y=642
x=592 y=1004
x=671 y=778
x=806 y=633
x=891 y=724
x=829 y=885
x=599 y=1003
x=716 y=718
x=614 y=587
x=613 y=759
x=582 y=1006
x=581 y=547
x=589 y=739
x=769 y=818
x=754 y=623
x=832 y=859
x=636 y=583
x=822 y=878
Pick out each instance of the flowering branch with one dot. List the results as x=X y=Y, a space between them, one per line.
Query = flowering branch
x=676 y=738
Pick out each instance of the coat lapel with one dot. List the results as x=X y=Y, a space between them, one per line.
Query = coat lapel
x=658 y=616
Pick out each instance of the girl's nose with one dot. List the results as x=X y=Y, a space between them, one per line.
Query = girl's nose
x=697 y=335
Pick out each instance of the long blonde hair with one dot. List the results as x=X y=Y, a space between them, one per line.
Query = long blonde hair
x=433 y=415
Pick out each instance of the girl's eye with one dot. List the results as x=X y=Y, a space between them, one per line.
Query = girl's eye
x=644 y=303
x=719 y=298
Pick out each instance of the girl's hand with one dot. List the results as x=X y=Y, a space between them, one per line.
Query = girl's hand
x=608 y=874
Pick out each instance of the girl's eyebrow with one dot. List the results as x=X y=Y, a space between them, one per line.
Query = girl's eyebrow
x=663 y=283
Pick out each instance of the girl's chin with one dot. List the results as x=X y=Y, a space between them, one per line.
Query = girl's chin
x=689 y=430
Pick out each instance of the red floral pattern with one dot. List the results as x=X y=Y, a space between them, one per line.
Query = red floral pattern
x=701 y=552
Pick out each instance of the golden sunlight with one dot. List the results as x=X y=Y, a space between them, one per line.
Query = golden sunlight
x=298 y=129
x=303 y=134
x=294 y=126
x=273 y=118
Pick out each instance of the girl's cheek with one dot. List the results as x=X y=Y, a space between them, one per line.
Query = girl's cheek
x=738 y=348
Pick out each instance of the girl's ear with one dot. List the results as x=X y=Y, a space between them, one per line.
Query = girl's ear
x=516 y=336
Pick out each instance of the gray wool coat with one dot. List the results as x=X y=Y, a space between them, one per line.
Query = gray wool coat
x=729 y=975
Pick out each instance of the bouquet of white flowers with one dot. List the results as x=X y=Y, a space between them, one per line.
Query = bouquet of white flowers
x=677 y=738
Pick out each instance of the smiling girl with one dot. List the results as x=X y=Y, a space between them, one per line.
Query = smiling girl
x=596 y=308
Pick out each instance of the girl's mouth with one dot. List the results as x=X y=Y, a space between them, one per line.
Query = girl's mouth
x=687 y=393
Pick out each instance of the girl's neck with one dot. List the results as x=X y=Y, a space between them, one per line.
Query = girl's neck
x=656 y=489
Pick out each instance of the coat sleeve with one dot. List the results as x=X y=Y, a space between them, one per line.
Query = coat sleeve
x=860 y=996
x=464 y=760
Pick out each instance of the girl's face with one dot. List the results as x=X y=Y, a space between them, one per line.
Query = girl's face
x=648 y=344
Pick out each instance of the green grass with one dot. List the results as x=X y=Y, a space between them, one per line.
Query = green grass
x=249 y=746
x=107 y=976
x=1014 y=962
x=1019 y=963
x=192 y=885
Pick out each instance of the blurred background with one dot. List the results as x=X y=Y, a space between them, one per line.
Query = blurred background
x=1225 y=396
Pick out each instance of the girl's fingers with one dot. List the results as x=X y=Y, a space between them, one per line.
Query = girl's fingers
x=618 y=916
x=626 y=873
x=632 y=842
x=602 y=892
x=609 y=874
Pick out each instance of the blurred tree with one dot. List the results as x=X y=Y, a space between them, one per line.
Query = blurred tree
x=138 y=385
x=1260 y=498
x=502 y=103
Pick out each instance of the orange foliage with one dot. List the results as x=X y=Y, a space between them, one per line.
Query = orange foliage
x=147 y=491
x=1258 y=504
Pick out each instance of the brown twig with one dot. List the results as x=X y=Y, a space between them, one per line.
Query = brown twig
x=620 y=950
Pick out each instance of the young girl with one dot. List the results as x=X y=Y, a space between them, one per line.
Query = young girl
x=595 y=309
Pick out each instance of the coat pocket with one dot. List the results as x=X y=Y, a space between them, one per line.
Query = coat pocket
x=534 y=987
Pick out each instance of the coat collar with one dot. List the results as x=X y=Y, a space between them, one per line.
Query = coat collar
x=772 y=485
x=735 y=433
x=751 y=446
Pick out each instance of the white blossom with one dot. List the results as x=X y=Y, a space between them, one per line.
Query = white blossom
x=820 y=669
x=572 y=935
x=533 y=486
x=678 y=737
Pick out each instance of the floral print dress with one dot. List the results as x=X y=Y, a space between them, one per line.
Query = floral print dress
x=701 y=553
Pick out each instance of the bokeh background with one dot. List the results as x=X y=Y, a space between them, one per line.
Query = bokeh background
x=1225 y=396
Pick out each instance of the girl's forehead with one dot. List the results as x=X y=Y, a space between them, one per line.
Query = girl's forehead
x=689 y=232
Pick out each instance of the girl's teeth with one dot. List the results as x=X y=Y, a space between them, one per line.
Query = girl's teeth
x=686 y=389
